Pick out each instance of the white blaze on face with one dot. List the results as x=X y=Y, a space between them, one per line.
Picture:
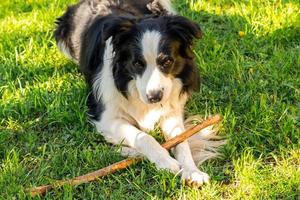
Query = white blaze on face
x=152 y=79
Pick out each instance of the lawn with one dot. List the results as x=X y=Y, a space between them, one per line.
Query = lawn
x=249 y=59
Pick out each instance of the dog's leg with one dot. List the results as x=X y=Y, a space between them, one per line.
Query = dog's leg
x=173 y=125
x=120 y=131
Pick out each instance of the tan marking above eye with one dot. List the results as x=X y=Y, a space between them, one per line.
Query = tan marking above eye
x=164 y=61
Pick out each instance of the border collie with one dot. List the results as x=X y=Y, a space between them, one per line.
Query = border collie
x=139 y=66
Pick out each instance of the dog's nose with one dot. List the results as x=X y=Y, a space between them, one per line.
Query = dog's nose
x=155 y=96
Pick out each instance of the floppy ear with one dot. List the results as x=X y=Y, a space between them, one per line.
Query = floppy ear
x=94 y=38
x=184 y=29
x=116 y=26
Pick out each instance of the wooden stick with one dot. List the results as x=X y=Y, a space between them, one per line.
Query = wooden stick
x=124 y=163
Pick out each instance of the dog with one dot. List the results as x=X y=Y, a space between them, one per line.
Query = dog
x=138 y=63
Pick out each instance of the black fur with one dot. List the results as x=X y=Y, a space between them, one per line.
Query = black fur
x=93 y=42
x=65 y=27
x=95 y=107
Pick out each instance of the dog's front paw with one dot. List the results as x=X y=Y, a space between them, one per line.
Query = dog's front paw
x=168 y=164
x=194 y=177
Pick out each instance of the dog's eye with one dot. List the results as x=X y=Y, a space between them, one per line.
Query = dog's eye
x=166 y=64
x=139 y=65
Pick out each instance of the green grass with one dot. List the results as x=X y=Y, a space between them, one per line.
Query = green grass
x=252 y=80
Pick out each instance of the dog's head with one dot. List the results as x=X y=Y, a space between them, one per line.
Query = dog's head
x=152 y=53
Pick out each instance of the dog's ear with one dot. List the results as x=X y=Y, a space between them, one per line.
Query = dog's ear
x=185 y=31
x=94 y=38
x=183 y=28
x=116 y=26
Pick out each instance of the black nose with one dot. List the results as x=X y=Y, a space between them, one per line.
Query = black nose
x=155 y=96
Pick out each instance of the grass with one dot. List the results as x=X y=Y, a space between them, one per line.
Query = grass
x=249 y=59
